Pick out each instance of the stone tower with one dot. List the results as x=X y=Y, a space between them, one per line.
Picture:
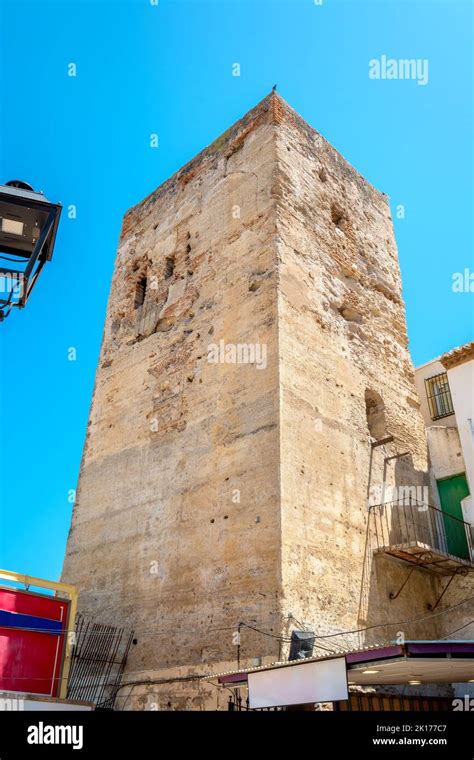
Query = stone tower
x=255 y=343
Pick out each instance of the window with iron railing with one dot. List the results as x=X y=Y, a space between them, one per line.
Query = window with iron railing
x=439 y=396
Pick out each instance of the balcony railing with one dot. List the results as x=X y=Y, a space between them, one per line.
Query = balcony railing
x=420 y=533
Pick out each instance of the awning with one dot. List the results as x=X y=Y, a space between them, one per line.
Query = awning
x=413 y=661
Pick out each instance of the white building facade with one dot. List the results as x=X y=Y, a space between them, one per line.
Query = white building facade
x=446 y=390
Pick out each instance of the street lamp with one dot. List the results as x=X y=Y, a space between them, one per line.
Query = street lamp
x=28 y=226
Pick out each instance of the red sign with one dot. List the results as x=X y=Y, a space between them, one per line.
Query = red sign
x=33 y=631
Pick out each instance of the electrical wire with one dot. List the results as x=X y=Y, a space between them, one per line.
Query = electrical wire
x=149 y=630
x=400 y=622
x=456 y=630
x=132 y=685
x=430 y=616
x=265 y=633
x=280 y=638
x=307 y=627
x=405 y=622
x=292 y=617
x=378 y=625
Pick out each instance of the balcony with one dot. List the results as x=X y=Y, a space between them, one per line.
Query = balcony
x=422 y=535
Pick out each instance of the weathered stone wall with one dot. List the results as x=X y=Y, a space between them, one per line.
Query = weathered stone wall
x=342 y=332
x=176 y=530
x=212 y=494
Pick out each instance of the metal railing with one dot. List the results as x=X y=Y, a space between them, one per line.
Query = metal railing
x=438 y=396
x=98 y=661
x=410 y=522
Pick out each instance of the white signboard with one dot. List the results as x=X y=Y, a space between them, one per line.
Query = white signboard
x=323 y=681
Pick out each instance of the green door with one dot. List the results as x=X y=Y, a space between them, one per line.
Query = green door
x=451 y=492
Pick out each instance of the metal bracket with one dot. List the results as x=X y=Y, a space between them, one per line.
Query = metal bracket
x=27 y=286
x=424 y=560
x=459 y=571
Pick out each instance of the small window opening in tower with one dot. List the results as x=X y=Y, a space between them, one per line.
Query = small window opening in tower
x=337 y=216
x=169 y=266
x=375 y=411
x=140 y=292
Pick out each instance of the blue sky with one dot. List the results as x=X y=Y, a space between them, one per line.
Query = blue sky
x=167 y=69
